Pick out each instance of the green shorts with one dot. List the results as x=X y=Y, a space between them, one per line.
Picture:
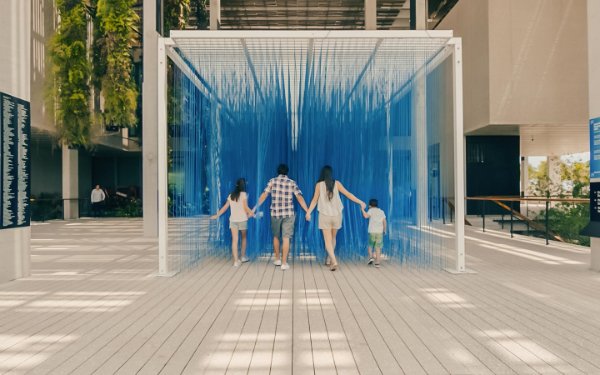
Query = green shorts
x=283 y=226
x=376 y=240
x=239 y=225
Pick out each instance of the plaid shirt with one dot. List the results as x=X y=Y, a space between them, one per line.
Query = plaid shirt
x=282 y=190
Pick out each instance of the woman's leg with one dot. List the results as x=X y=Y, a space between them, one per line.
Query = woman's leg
x=234 y=244
x=243 y=242
x=328 y=239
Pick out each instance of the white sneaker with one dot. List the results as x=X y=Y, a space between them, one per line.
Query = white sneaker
x=245 y=259
x=371 y=260
x=237 y=263
x=277 y=262
x=285 y=267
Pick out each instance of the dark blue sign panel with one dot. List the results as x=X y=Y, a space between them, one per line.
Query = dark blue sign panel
x=15 y=135
x=595 y=148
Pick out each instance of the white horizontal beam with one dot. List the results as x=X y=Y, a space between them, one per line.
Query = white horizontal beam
x=306 y=34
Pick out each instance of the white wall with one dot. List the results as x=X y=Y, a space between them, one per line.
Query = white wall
x=15 y=24
x=538 y=62
x=469 y=20
x=525 y=69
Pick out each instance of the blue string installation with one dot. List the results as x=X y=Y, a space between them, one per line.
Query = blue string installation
x=378 y=111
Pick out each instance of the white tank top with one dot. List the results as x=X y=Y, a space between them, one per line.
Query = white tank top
x=328 y=207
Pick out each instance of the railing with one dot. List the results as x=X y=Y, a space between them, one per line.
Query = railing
x=512 y=207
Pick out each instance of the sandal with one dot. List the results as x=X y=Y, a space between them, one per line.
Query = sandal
x=333 y=267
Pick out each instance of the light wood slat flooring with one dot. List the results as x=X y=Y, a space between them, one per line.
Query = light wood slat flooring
x=94 y=306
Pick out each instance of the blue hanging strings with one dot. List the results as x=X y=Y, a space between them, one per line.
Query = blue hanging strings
x=342 y=102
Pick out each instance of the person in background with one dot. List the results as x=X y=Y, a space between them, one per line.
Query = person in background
x=238 y=220
x=283 y=217
x=97 y=200
x=376 y=230
x=329 y=204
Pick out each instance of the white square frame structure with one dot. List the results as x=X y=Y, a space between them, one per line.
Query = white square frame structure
x=166 y=50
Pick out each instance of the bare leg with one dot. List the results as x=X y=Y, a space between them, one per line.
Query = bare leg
x=276 y=247
x=377 y=255
x=234 y=244
x=370 y=250
x=327 y=237
x=243 y=243
x=285 y=249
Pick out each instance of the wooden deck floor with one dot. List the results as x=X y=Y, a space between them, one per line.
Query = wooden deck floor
x=92 y=305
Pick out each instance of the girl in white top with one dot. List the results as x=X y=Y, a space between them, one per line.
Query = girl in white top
x=329 y=204
x=238 y=220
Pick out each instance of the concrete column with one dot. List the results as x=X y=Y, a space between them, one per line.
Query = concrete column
x=215 y=14
x=593 y=24
x=150 y=122
x=524 y=175
x=70 y=182
x=370 y=14
x=15 y=80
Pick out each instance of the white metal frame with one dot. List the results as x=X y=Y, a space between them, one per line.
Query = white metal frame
x=164 y=51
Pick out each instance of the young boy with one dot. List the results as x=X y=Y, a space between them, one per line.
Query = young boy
x=377 y=228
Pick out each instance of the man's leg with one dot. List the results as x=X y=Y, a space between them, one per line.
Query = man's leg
x=287 y=231
x=276 y=247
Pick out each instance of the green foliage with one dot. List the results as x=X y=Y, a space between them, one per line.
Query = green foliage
x=202 y=16
x=176 y=15
x=71 y=74
x=118 y=21
x=567 y=220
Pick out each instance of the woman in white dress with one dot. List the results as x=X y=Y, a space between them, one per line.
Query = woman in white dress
x=329 y=204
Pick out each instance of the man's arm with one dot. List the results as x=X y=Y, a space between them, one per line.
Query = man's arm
x=262 y=198
x=301 y=201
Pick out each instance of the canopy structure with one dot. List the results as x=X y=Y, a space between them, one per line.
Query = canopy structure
x=384 y=108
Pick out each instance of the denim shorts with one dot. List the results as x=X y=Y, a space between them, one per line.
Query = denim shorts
x=239 y=225
x=283 y=226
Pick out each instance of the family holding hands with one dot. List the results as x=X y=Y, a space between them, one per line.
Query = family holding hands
x=326 y=199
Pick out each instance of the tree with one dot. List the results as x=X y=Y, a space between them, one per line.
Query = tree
x=70 y=90
x=118 y=21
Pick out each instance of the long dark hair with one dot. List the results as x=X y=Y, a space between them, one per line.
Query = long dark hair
x=240 y=185
x=327 y=176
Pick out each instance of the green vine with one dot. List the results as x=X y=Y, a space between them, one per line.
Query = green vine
x=71 y=74
x=119 y=20
x=176 y=15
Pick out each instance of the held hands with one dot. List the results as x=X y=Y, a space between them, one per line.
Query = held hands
x=363 y=205
x=307 y=217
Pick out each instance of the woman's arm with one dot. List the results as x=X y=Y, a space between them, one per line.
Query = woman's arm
x=314 y=201
x=221 y=211
x=349 y=195
x=249 y=212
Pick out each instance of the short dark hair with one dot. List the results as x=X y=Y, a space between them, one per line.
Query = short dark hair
x=283 y=169
x=373 y=202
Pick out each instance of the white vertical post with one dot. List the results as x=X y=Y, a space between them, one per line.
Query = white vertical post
x=215 y=14
x=149 y=126
x=161 y=93
x=459 y=156
x=370 y=14
x=421 y=14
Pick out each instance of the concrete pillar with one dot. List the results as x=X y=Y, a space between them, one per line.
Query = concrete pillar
x=70 y=182
x=593 y=24
x=215 y=14
x=15 y=80
x=524 y=175
x=370 y=14
x=150 y=122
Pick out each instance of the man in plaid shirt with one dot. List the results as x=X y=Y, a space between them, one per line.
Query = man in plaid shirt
x=282 y=189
